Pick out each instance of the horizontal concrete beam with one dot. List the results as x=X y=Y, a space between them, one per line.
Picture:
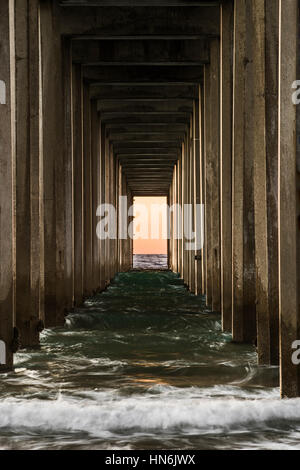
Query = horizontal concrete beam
x=141 y=74
x=140 y=52
x=148 y=165
x=144 y=127
x=147 y=140
x=97 y=3
x=146 y=152
x=151 y=106
x=148 y=118
x=140 y=20
x=133 y=159
x=145 y=92
x=152 y=137
x=120 y=147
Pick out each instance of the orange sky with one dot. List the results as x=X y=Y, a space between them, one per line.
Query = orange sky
x=149 y=246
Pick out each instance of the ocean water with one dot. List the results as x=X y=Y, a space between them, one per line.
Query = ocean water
x=145 y=262
x=144 y=365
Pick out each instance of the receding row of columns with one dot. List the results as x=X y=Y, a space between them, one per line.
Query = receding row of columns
x=57 y=168
x=245 y=170
x=239 y=160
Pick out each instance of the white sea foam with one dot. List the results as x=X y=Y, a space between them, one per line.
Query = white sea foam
x=141 y=414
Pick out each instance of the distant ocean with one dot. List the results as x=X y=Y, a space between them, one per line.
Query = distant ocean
x=150 y=262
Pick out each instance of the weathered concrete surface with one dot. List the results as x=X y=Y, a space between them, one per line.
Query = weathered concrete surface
x=207 y=186
x=289 y=200
x=56 y=299
x=7 y=182
x=29 y=239
x=243 y=307
x=226 y=64
x=78 y=186
x=272 y=138
x=87 y=195
x=215 y=174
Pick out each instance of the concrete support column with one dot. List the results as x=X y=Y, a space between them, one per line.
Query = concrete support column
x=180 y=226
x=175 y=221
x=107 y=201
x=191 y=201
x=95 y=138
x=114 y=254
x=122 y=218
x=7 y=183
x=256 y=24
x=102 y=201
x=29 y=239
x=215 y=167
x=272 y=110
x=289 y=200
x=243 y=308
x=111 y=199
x=129 y=244
x=198 y=189
x=68 y=172
x=226 y=162
x=185 y=189
x=207 y=185
x=170 y=231
x=56 y=299
x=88 y=190
x=78 y=187
x=202 y=177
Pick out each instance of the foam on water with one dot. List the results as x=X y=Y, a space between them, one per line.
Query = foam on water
x=141 y=414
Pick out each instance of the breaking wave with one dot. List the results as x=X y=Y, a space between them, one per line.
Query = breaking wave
x=148 y=414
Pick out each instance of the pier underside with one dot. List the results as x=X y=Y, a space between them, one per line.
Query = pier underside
x=195 y=101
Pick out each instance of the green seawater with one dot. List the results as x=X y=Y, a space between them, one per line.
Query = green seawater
x=144 y=365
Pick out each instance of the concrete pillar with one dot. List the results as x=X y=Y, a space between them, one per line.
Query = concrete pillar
x=87 y=195
x=175 y=221
x=129 y=241
x=114 y=254
x=107 y=201
x=185 y=189
x=111 y=198
x=170 y=232
x=56 y=299
x=289 y=210
x=202 y=178
x=226 y=162
x=78 y=187
x=197 y=187
x=256 y=26
x=192 y=253
x=103 y=201
x=208 y=186
x=215 y=166
x=7 y=182
x=95 y=138
x=29 y=239
x=272 y=94
x=243 y=307
x=68 y=172
x=180 y=227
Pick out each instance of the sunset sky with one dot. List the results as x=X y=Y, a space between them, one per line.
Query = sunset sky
x=155 y=224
